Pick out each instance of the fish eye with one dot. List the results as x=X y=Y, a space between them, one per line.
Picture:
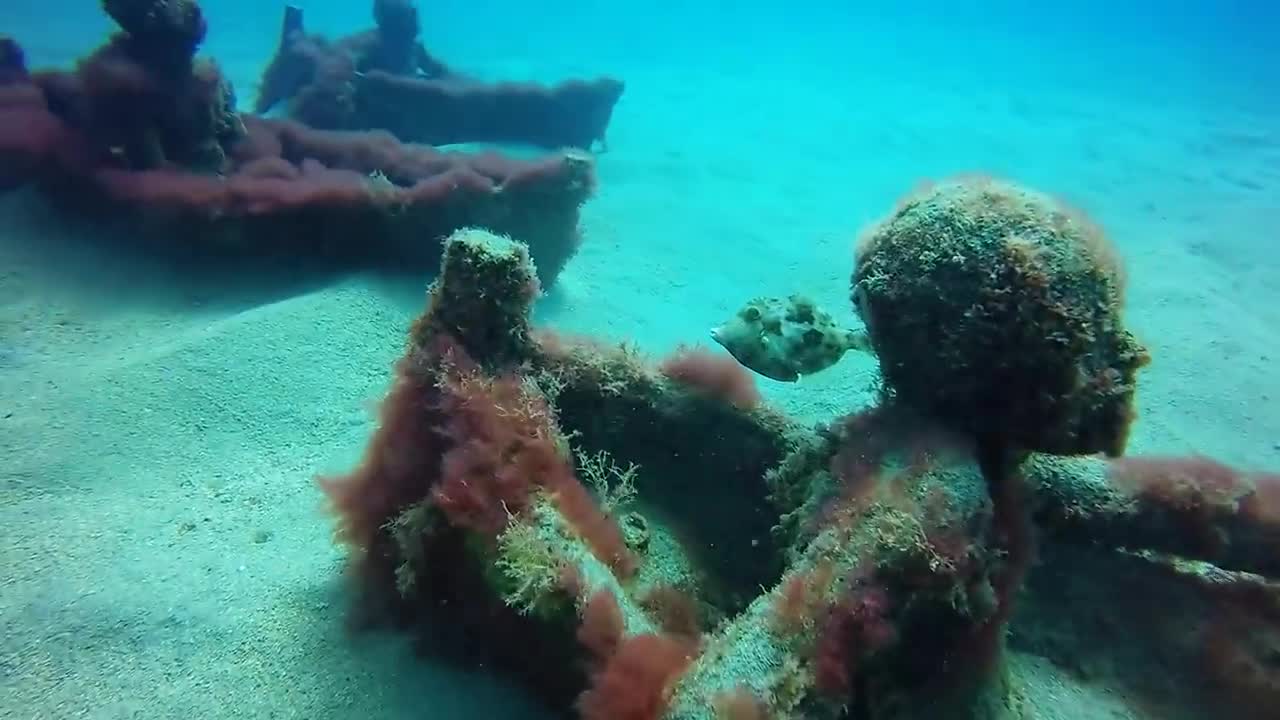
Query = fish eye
x=751 y=313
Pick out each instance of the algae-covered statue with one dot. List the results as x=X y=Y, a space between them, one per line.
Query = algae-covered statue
x=393 y=46
x=637 y=544
x=146 y=131
x=989 y=305
x=385 y=79
x=999 y=308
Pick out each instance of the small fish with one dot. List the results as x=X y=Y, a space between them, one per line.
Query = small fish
x=786 y=338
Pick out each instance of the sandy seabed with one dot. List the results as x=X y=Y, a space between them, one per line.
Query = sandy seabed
x=165 y=549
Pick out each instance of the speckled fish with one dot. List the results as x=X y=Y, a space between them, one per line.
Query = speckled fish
x=786 y=338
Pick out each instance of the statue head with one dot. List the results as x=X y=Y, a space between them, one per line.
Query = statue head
x=396 y=19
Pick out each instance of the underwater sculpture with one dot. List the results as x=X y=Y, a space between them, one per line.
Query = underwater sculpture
x=977 y=293
x=639 y=543
x=385 y=79
x=143 y=128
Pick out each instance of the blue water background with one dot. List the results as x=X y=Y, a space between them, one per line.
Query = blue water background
x=754 y=139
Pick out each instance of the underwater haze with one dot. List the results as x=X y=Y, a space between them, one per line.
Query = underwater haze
x=166 y=551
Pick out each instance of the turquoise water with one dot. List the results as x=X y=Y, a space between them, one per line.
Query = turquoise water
x=165 y=549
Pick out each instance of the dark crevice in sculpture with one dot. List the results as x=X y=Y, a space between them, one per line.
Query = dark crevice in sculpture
x=385 y=79
x=666 y=434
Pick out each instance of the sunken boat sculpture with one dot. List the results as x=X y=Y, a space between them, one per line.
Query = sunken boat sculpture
x=384 y=78
x=142 y=128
